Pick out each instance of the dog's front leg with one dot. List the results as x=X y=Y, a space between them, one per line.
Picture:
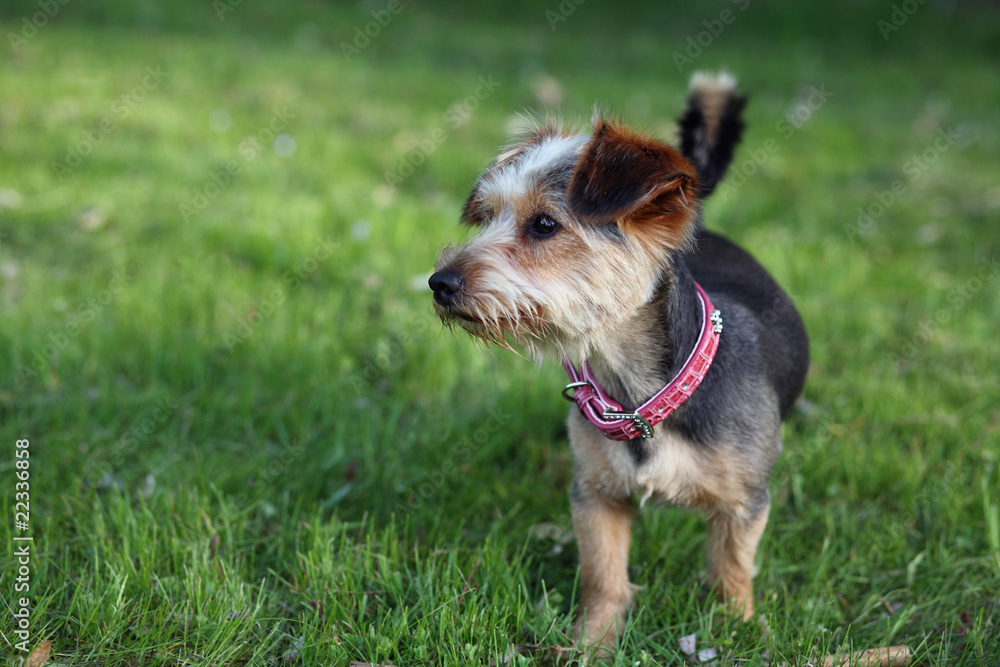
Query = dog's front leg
x=732 y=546
x=603 y=533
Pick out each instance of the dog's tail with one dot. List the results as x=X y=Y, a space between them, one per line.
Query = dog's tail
x=711 y=126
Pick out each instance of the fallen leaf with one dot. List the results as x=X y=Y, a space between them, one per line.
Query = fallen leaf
x=39 y=655
x=707 y=655
x=894 y=656
x=293 y=653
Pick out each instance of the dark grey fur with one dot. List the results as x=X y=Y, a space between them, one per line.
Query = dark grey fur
x=764 y=348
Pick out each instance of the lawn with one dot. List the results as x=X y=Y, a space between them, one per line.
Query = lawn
x=250 y=441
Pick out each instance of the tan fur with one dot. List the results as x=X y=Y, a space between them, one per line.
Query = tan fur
x=586 y=293
x=604 y=531
x=732 y=547
x=678 y=473
x=672 y=475
x=577 y=288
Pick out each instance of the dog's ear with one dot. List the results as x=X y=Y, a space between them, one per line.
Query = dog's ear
x=645 y=185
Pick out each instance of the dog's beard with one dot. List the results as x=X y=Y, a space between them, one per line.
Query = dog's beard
x=504 y=329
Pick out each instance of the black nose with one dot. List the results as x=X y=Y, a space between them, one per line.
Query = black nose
x=446 y=284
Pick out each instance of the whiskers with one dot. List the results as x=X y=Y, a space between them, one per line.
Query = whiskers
x=502 y=326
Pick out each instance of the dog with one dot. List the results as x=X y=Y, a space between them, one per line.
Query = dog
x=684 y=355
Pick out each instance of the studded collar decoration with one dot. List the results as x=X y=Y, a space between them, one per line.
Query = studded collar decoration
x=607 y=415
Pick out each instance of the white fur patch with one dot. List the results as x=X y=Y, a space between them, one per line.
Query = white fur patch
x=515 y=180
x=670 y=475
x=708 y=82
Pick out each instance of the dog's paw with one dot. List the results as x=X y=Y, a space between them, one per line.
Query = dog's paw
x=600 y=631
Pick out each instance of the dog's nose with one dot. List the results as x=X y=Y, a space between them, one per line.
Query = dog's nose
x=446 y=284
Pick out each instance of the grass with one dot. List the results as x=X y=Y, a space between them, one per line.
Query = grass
x=250 y=442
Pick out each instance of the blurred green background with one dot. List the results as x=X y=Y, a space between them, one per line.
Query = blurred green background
x=250 y=440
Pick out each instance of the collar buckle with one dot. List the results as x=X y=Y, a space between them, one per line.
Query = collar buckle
x=640 y=422
x=592 y=399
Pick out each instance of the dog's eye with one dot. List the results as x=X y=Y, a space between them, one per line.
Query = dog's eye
x=543 y=226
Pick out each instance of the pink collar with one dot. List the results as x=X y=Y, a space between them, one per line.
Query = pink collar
x=604 y=413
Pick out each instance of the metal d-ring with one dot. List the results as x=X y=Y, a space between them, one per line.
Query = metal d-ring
x=572 y=385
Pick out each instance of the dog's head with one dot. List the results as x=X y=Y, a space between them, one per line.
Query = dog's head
x=574 y=233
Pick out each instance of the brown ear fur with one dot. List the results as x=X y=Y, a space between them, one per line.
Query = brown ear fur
x=645 y=185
